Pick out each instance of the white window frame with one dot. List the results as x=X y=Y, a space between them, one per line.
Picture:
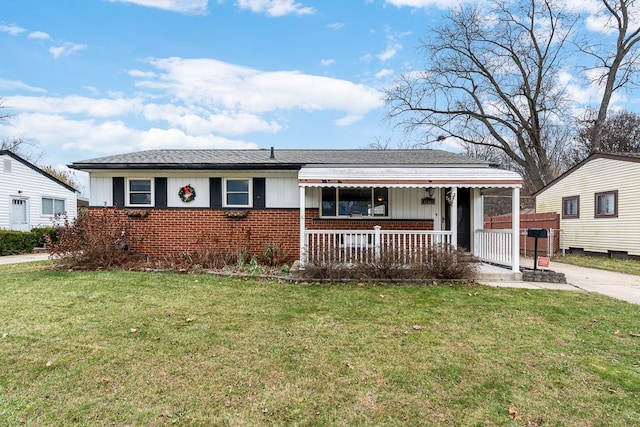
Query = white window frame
x=372 y=189
x=249 y=193
x=129 y=192
x=53 y=206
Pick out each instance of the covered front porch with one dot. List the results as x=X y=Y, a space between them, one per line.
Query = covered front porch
x=386 y=221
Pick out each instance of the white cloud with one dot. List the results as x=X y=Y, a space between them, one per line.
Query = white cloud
x=66 y=49
x=77 y=105
x=391 y=51
x=171 y=138
x=327 y=62
x=200 y=122
x=336 y=25
x=275 y=8
x=384 y=73
x=105 y=137
x=12 y=29
x=183 y=6
x=39 y=35
x=228 y=87
x=17 y=85
x=191 y=103
x=442 y=4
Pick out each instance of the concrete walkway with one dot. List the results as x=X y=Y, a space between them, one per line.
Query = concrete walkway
x=625 y=287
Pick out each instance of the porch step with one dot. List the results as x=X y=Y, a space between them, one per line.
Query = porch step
x=492 y=272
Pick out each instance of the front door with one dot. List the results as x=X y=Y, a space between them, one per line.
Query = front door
x=463 y=217
x=19 y=214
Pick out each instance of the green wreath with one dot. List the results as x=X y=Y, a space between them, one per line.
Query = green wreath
x=187 y=193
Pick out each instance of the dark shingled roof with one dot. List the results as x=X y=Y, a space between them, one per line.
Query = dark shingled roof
x=282 y=159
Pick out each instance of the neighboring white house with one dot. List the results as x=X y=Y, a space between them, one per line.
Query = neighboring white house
x=30 y=197
x=599 y=204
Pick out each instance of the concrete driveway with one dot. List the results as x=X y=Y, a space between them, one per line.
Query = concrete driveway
x=625 y=287
x=17 y=259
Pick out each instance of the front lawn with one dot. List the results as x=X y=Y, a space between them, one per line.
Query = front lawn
x=123 y=348
x=628 y=266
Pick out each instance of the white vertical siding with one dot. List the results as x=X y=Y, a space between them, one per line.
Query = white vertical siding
x=19 y=180
x=598 y=234
x=313 y=197
x=282 y=192
x=101 y=191
x=406 y=203
x=199 y=184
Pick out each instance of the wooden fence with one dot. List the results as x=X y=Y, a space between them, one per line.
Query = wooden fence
x=550 y=221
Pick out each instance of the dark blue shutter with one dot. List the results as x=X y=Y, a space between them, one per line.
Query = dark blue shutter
x=118 y=191
x=160 y=189
x=215 y=193
x=259 y=190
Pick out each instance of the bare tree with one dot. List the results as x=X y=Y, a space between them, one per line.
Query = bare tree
x=66 y=176
x=492 y=81
x=617 y=65
x=3 y=111
x=19 y=146
x=619 y=133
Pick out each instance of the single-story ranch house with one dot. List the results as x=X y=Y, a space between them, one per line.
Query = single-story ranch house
x=599 y=204
x=306 y=202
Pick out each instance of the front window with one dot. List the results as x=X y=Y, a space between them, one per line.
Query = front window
x=140 y=192
x=51 y=206
x=606 y=204
x=355 y=202
x=237 y=193
x=571 y=207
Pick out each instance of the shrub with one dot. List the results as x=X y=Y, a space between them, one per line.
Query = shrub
x=441 y=262
x=44 y=234
x=97 y=239
x=17 y=242
x=274 y=254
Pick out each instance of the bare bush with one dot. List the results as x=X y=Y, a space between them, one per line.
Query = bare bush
x=99 y=239
x=441 y=262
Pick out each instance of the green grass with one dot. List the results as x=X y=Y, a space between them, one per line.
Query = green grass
x=124 y=348
x=627 y=266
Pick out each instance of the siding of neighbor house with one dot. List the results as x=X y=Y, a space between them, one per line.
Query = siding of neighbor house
x=19 y=180
x=598 y=234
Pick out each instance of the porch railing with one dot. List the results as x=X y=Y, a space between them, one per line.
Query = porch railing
x=355 y=246
x=494 y=246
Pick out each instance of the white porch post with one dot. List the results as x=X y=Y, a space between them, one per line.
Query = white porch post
x=478 y=218
x=303 y=196
x=515 y=230
x=453 y=214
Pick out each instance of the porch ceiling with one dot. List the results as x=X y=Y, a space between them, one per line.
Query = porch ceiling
x=406 y=177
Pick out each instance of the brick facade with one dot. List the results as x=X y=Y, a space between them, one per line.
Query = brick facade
x=161 y=232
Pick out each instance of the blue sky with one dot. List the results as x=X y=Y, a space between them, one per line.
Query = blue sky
x=86 y=78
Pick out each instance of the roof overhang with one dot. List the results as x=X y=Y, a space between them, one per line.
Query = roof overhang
x=408 y=177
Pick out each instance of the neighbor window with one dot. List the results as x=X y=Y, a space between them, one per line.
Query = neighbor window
x=237 y=192
x=606 y=204
x=571 y=207
x=355 y=202
x=52 y=206
x=140 y=192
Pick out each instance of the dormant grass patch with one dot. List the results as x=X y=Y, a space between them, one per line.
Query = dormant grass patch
x=127 y=348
